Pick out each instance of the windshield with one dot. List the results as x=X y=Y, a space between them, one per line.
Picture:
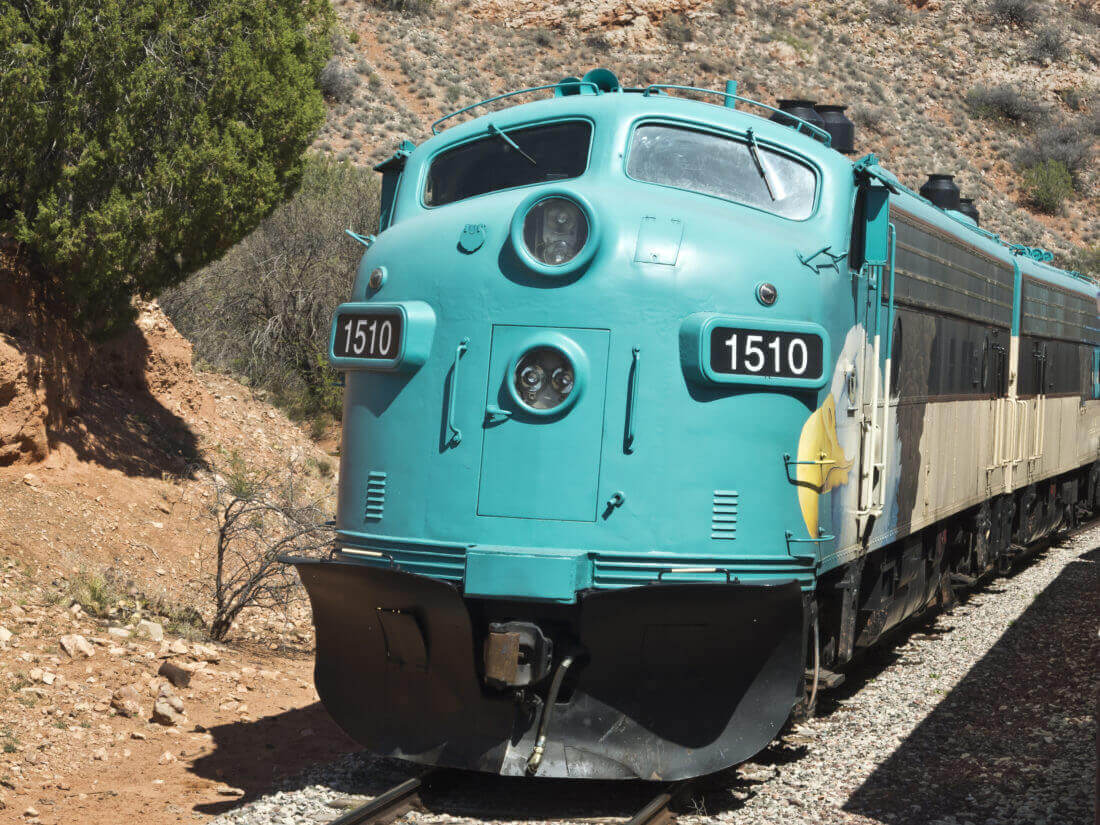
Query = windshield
x=506 y=158
x=716 y=165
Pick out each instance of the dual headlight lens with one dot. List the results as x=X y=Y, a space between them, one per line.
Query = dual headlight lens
x=555 y=230
x=544 y=378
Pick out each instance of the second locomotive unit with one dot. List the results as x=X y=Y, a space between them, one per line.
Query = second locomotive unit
x=656 y=411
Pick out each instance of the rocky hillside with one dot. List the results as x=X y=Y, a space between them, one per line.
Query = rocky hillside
x=116 y=704
x=909 y=71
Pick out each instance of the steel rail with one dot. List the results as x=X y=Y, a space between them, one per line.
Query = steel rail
x=656 y=811
x=388 y=805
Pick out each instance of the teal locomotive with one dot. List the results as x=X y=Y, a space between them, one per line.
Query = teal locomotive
x=658 y=409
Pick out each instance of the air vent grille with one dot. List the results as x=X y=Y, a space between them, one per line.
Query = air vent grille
x=723 y=518
x=376 y=495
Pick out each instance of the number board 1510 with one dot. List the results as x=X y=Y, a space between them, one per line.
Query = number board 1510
x=765 y=353
x=374 y=335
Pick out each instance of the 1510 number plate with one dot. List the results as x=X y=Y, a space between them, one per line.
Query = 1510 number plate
x=374 y=335
x=765 y=353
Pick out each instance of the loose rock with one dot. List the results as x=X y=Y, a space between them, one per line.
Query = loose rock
x=178 y=676
x=151 y=629
x=168 y=708
x=74 y=644
x=127 y=701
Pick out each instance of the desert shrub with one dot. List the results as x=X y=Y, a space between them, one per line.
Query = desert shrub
x=676 y=29
x=1086 y=12
x=598 y=42
x=1004 y=102
x=1070 y=145
x=1014 y=12
x=140 y=139
x=337 y=81
x=264 y=310
x=94 y=592
x=406 y=6
x=871 y=117
x=1086 y=261
x=258 y=517
x=1047 y=185
x=726 y=8
x=1049 y=45
x=891 y=13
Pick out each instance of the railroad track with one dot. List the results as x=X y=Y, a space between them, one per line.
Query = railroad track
x=394 y=803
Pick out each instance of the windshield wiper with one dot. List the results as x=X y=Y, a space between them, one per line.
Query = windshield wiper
x=503 y=136
x=760 y=164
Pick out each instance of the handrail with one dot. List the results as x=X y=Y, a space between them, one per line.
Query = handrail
x=455 y=434
x=880 y=504
x=815 y=132
x=558 y=85
x=632 y=401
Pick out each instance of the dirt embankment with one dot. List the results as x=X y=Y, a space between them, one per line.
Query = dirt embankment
x=64 y=399
x=107 y=451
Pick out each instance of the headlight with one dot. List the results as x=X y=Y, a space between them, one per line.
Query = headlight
x=555 y=230
x=544 y=378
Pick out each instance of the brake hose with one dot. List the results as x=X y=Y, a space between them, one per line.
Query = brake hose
x=535 y=758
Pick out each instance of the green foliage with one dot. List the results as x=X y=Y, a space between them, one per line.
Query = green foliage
x=1069 y=144
x=140 y=139
x=96 y=594
x=1047 y=185
x=264 y=310
x=1004 y=103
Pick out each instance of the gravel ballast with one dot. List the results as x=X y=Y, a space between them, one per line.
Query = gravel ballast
x=984 y=715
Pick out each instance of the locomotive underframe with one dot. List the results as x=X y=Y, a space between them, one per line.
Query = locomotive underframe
x=671 y=681
x=862 y=602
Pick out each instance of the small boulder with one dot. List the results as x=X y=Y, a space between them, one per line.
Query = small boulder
x=178 y=676
x=74 y=644
x=127 y=701
x=5 y=635
x=118 y=632
x=168 y=708
x=178 y=647
x=151 y=629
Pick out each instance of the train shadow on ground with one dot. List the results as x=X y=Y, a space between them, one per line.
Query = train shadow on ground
x=1012 y=741
x=275 y=752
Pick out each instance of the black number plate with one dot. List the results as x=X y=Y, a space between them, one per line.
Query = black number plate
x=375 y=334
x=765 y=353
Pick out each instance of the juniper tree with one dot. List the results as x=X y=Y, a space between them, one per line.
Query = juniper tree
x=139 y=139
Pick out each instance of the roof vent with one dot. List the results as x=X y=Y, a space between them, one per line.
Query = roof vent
x=840 y=128
x=942 y=191
x=803 y=109
x=967 y=207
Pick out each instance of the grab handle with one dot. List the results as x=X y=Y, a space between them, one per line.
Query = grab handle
x=632 y=401
x=455 y=432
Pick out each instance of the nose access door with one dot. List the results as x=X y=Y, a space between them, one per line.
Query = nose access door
x=543 y=432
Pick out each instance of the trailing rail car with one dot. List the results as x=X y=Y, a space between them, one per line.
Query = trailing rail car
x=657 y=410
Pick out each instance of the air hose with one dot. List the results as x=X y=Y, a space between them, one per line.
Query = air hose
x=535 y=758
